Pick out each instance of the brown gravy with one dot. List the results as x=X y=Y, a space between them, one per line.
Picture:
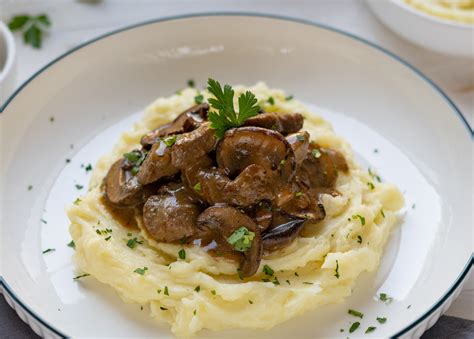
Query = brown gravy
x=124 y=216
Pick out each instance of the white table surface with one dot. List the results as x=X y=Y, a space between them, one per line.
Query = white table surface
x=76 y=21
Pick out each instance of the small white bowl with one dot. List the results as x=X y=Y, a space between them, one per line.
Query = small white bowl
x=7 y=63
x=425 y=30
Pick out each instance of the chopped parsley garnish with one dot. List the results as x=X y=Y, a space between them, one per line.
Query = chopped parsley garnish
x=359 y=239
x=51 y=119
x=240 y=274
x=408 y=307
x=81 y=276
x=413 y=206
x=316 y=153
x=385 y=298
x=308 y=283
x=289 y=97
x=194 y=312
x=43 y=221
x=213 y=292
x=370 y=329
x=108 y=238
x=49 y=250
x=197 y=187
x=276 y=281
x=30 y=187
x=288 y=282
x=158 y=291
x=141 y=271
x=382 y=320
x=88 y=168
x=361 y=218
x=299 y=137
x=163 y=308
x=136 y=158
x=199 y=99
x=336 y=274
x=268 y=270
x=198 y=288
x=382 y=212
x=68 y=161
x=170 y=141
x=355 y=313
x=32 y=27
x=191 y=83
x=132 y=243
x=271 y=101
x=354 y=327
x=166 y=292
x=103 y=232
x=72 y=244
x=282 y=162
x=298 y=194
x=226 y=117
x=79 y=187
x=182 y=254
x=250 y=302
x=296 y=274
x=77 y=201
x=371 y=185
x=241 y=239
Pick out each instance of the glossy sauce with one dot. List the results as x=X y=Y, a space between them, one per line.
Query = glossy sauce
x=124 y=216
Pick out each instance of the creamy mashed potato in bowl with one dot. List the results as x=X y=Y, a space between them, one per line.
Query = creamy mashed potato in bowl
x=189 y=288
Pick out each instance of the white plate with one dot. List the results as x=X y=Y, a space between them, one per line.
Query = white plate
x=373 y=98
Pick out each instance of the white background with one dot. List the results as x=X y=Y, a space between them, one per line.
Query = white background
x=76 y=21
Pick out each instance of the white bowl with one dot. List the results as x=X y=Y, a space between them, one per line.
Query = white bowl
x=447 y=37
x=373 y=99
x=7 y=62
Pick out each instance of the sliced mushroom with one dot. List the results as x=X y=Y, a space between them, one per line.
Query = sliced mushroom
x=285 y=123
x=193 y=145
x=171 y=215
x=252 y=185
x=320 y=168
x=262 y=214
x=282 y=233
x=187 y=121
x=244 y=146
x=121 y=188
x=157 y=164
x=225 y=220
x=299 y=142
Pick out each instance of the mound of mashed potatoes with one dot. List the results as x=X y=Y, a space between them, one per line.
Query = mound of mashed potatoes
x=204 y=292
x=461 y=11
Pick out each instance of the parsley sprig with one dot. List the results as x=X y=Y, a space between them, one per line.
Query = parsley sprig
x=32 y=27
x=241 y=239
x=225 y=117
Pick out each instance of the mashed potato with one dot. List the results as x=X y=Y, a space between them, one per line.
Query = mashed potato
x=202 y=291
x=455 y=10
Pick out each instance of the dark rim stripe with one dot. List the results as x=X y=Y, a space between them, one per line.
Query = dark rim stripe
x=470 y=261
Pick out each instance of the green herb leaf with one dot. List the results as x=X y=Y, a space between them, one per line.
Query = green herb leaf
x=271 y=101
x=298 y=194
x=198 y=288
x=250 y=302
x=79 y=187
x=355 y=313
x=268 y=270
x=241 y=239
x=370 y=329
x=299 y=137
x=141 y=271
x=354 y=327
x=166 y=291
x=81 y=276
x=108 y=238
x=33 y=36
x=276 y=281
x=199 y=99
x=382 y=320
x=381 y=212
x=170 y=141
x=88 y=168
x=361 y=218
x=359 y=239
x=191 y=83
x=72 y=244
x=213 y=292
x=226 y=117
x=44 y=19
x=182 y=254
x=18 y=22
x=132 y=243
x=194 y=312
x=385 y=298
x=30 y=187
x=49 y=250
x=288 y=282
x=43 y=221
x=336 y=274
x=371 y=185
x=197 y=187
x=296 y=274
x=289 y=97
x=163 y=308
x=77 y=201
